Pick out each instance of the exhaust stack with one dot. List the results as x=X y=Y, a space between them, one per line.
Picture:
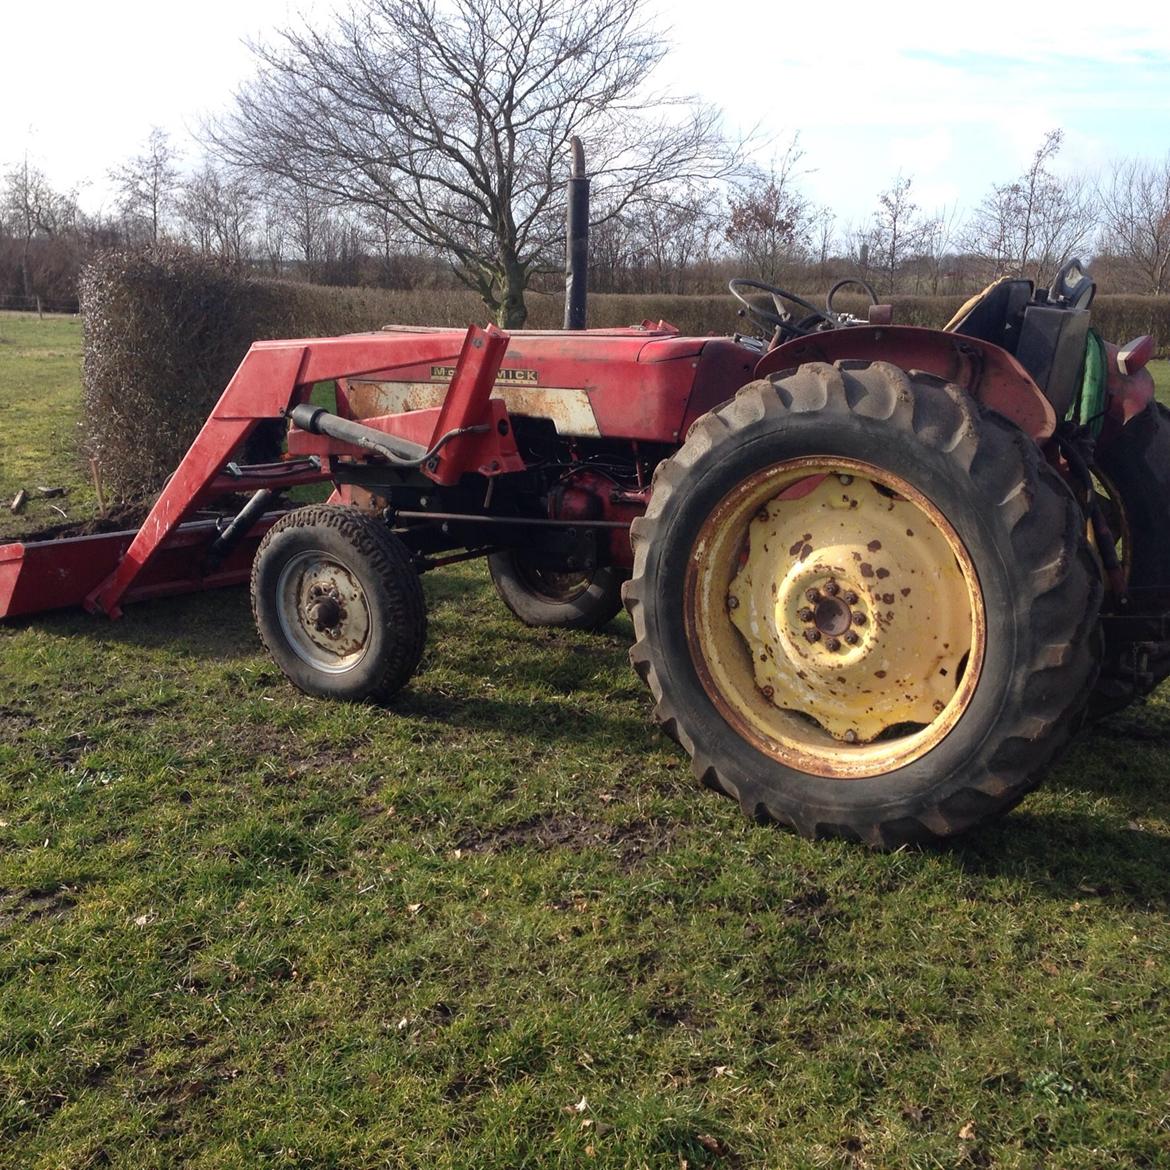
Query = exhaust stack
x=577 y=240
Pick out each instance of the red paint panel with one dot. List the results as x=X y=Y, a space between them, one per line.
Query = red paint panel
x=723 y=368
x=638 y=382
x=59 y=574
x=467 y=404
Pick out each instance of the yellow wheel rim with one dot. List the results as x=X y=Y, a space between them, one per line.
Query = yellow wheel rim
x=834 y=616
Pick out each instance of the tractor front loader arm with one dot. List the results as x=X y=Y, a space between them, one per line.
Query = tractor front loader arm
x=273 y=379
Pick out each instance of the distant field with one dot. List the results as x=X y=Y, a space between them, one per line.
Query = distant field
x=498 y=926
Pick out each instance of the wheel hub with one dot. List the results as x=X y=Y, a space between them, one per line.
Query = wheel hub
x=326 y=614
x=831 y=616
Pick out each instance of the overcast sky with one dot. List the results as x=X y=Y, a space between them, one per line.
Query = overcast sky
x=955 y=101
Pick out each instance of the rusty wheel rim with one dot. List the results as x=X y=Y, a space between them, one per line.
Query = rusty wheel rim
x=834 y=617
x=323 y=612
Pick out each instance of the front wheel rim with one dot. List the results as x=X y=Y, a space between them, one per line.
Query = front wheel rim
x=323 y=612
x=834 y=617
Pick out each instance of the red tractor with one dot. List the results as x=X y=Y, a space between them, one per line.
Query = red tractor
x=877 y=574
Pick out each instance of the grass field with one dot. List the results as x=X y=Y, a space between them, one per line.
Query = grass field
x=497 y=925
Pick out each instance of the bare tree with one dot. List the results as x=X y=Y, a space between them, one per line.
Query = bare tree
x=1031 y=225
x=455 y=121
x=824 y=228
x=1135 y=210
x=898 y=231
x=768 y=220
x=218 y=211
x=936 y=247
x=307 y=219
x=146 y=184
x=672 y=236
x=31 y=208
x=273 y=235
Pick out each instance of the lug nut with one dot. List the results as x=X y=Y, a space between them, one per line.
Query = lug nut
x=732 y=602
x=768 y=692
x=851 y=637
x=832 y=588
x=851 y=736
x=805 y=614
x=849 y=597
x=813 y=595
x=858 y=618
x=832 y=644
x=845 y=479
x=813 y=635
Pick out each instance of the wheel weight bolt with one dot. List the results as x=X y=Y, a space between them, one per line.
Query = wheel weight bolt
x=813 y=595
x=832 y=588
x=805 y=614
x=849 y=597
x=851 y=637
x=832 y=644
x=768 y=692
x=813 y=635
x=733 y=602
x=851 y=736
x=858 y=619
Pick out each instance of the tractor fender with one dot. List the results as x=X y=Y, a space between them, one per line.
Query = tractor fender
x=989 y=374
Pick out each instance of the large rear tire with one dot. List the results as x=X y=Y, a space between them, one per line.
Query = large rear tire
x=864 y=608
x=338 y=603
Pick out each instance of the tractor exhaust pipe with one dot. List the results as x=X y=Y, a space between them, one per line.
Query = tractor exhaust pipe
x=577 y=240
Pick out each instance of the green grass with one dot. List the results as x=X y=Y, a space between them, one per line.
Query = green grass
x=498 y=926
x=1161 y=372
x=40 y=416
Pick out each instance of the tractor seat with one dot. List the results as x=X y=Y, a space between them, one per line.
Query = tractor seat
x=996 y=314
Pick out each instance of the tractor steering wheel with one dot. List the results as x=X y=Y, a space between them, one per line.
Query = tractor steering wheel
x=780 y=319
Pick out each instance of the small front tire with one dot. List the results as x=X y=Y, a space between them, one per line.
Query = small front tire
x=338 y=604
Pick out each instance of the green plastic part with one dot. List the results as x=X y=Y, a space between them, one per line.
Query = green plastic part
x=1088 y=409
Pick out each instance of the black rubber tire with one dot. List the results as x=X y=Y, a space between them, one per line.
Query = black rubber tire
x=1022 y=529
x=1137 y=465
x=538 y=601
x=393 y=595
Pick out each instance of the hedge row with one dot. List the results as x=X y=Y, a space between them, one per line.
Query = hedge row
x=165 y=330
